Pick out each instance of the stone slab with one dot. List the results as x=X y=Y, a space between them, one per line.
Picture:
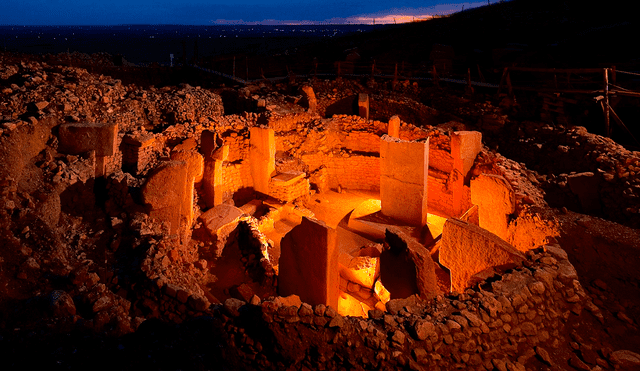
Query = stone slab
x=394 y=127
x=308 y=265
x=262 y=157
x=78 y=138
x=218 y=219
x=465 y=146
x=164 y=192
x=165 y=186
x=496 y=200
x=404 y=169
x=363 y=105
x=587 y=187
x=467 y=249
x=405 y=257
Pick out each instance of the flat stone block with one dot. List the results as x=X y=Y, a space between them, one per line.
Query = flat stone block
x=465 y=146
x=495 y=199
x=78 y=138
x=467 y=249
x=166 y=185
x=309 y=263
x=218 y=219
x=394 y=127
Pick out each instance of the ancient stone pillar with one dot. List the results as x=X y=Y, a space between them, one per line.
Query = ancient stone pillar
x=163 y=193
x=78 y=138
x=262 y=157
x=496 y=200
x=467 y=250
x=465 y=146
x=309 y=98
x=407 y=267
x=214 y=156
x=363 y=105
x=404 y=168
x=394 y=127
x=309 y=263
x=195 y=169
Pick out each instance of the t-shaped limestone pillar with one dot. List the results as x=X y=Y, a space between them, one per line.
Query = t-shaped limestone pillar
x=214 y=156
x=164 y=192
x=309 y=263
x=262 y=157
x=195 y=169
x=394 y=127
x=363 y=105
x=496 y=200
x=465 y=146
x=404 y=168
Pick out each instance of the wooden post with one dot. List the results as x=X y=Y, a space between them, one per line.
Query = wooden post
x=606 y=102
x=613 y=75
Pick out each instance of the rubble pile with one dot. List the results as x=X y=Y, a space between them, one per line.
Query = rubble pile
x=128 y=212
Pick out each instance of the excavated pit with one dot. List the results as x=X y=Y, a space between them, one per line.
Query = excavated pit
x=291 y=237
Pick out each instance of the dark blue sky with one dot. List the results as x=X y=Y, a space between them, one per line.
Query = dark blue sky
x=203 y=12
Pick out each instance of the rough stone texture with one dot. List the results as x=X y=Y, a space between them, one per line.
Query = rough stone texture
x=164 y=191
x=587 y=187
x=404 y=168
x=625 y=360
x=467 y=249
x=309 y=263
x=406 y=254
x=363 y=105
x=496 y=200
x=77 y=138
x=195 y=170
x=309 y=98
x=262 y=157
x=465 y=146
x=394 y=127
x=220 y=219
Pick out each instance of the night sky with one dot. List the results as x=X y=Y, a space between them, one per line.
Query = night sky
x=206 y=12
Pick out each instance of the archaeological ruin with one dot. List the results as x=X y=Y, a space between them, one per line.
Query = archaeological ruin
x=270 y=226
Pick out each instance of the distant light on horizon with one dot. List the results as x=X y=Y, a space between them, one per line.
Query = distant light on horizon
x=392 y=16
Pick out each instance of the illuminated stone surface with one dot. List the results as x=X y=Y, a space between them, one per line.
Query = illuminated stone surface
x=262 y=157
x=394 y=127
x=77 y=138
x=467 y=249
x=404 y=168
x=363 y=105
x=407 y=267
x=465 y=146
x=496 y=200
x=309 y=98
x=164 y=192
x=363 y=270
x=309 y=263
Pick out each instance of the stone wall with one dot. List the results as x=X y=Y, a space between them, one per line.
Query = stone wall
x=352 y=172
x=235 y=176
x=512 y=323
